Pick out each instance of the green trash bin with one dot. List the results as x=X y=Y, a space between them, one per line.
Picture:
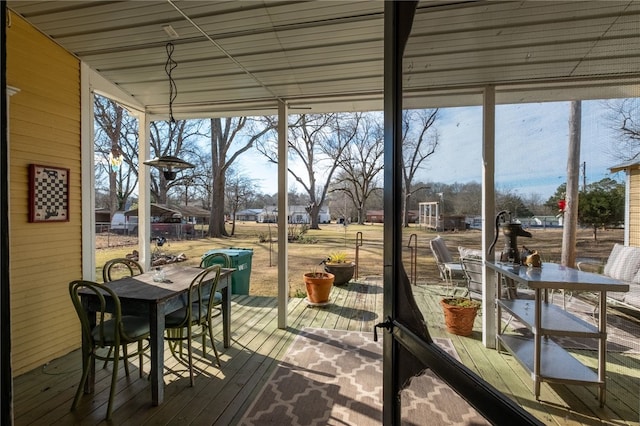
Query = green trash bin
x=241 y=261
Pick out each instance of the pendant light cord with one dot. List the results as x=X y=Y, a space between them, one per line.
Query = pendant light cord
x=169 y=66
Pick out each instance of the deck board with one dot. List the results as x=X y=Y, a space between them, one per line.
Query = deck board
x=221 y=396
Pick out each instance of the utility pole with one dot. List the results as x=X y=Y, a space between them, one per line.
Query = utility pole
x=570 y=224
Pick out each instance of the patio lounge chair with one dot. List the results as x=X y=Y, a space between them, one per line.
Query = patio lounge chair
x=449 y=269
x=471 y=262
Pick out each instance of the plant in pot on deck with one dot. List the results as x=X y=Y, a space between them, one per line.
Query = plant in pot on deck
x=318 y=285
x=459 y=314
x=339 y=265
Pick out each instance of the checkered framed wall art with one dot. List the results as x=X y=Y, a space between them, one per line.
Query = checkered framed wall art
x=48 y=194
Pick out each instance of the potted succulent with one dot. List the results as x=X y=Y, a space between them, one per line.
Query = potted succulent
x=318 y=285
x=339 y=265
x=459 y=314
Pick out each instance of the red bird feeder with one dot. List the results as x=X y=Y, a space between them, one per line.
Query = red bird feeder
x=562 y=204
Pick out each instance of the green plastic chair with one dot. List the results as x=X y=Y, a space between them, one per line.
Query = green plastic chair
x=197 y=312
x=121 y=267
x=112 y=330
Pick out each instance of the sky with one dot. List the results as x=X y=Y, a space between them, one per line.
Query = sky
x=531 y=149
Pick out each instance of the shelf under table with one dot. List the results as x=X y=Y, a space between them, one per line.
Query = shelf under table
x=558 y=365
x=555 y=320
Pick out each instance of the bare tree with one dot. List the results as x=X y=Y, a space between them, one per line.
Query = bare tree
x=203 y=180
x=230 y=137
x=419 y=142
x=179 y=139
x=116 y=142
x=361 y=164
x=318 y=141
x=240 y=193
x=623 y=117
x=467 y=198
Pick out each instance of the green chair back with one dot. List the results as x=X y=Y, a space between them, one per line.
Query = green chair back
x=197 y=311
x=218 y=258
x=119 y=268
x=111 y=330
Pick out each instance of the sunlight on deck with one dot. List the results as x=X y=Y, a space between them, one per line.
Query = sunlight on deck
x=221 y=396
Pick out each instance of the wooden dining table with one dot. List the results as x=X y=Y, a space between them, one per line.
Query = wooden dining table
x=141 y=295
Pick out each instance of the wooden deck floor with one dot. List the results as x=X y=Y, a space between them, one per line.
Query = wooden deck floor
x=221 y=396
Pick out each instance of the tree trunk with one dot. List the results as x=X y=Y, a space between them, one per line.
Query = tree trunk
x=570 y=225
x=113 y=192
x=405 y=210
x=233 y=218
x=216 y=220
x=162 y=190
x=314 y=212
x=361 y=215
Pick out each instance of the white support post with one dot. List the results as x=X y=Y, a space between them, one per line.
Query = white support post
x=283 y=210
x=144 y=192
x=88 y=175
x=488 y=215
x=627 y=207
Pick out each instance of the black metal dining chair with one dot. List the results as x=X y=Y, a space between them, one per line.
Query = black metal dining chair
x=112 y=331
x=120 y=267
x=117 y=268
x=196 y=312
x=217 y=258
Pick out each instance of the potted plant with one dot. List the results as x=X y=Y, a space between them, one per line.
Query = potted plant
x=339 y=265
x=318 y=285
x=459 y=314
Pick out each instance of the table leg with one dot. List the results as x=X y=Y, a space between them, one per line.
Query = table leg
x=86 y=348
x=537 y=344
x=226 y=313
x=602 y=348
x=498 y=278
x=156 y=322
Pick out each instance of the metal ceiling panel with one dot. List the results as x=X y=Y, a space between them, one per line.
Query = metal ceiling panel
x=321 y=54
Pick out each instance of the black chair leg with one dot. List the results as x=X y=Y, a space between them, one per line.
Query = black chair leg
x=213 y=345
x=140 y=358
x=125 y=356
x=114 y=381
x=83 y=380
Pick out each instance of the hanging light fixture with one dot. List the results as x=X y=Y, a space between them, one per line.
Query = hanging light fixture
x=115 y=158
x=170 y=164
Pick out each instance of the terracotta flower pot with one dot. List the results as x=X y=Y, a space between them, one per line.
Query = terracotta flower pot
x=318 y=286
x=459 y=319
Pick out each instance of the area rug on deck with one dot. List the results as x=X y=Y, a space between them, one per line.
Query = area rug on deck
x=623 y=334
x=334 y=377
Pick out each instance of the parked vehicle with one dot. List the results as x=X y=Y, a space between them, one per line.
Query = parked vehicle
x=121 y=224
x=160 y=227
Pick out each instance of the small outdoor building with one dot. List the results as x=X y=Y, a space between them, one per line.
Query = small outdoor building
x=248 y=215
x=375 y=216
x=297 y=214
x=430 y=216
x=103 y=219
x=164 y=213
x=631 y=201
